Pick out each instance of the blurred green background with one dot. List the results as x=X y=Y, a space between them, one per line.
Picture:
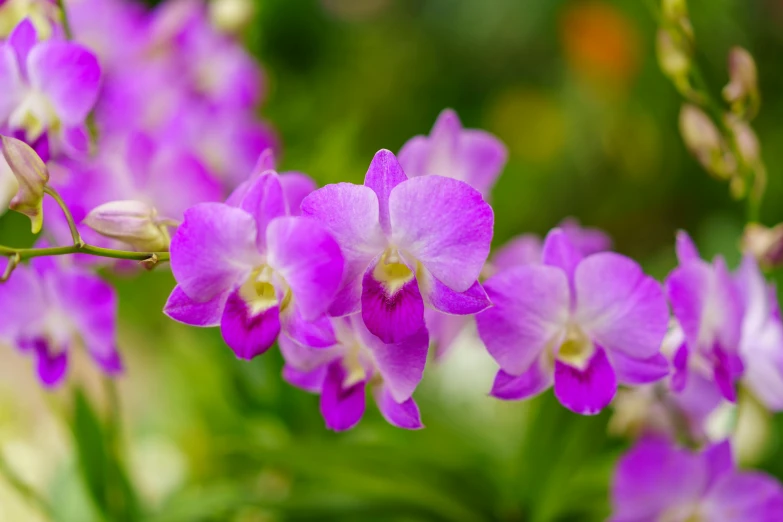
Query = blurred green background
x=574 y=90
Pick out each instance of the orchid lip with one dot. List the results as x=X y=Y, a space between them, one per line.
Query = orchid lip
x=260 y=293
x=576 y=349
x=392 y=272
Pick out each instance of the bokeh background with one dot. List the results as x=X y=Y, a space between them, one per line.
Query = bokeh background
x=574 y=90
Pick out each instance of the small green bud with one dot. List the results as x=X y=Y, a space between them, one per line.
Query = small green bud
x=31 y=175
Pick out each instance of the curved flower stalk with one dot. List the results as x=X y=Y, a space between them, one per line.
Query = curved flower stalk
x=658 y=481
x=584 y=325
x=407 y=243
x=255 y=270
x=50 y=308
x=470 y=155
x=49 y=86
x=342 y=373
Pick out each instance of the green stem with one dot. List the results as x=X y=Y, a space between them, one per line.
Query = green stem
x=23 y=489
x=66 y=24
x=77 y=238
x=27 y=253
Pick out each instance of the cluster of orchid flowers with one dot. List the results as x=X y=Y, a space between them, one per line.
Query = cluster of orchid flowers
x=137 y=126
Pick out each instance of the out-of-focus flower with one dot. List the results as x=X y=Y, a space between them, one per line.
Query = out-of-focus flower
x=761 y=342
x=254 y=270
x=742 y=90
x=407 y=242
x=473 y=156
x=42 y=13
x=765 y=244
x=132 y=222
x=746 y=140
x=583 y=323
x=705 y=142
x=30 y=175
x=231 y=16
x=708 y=308
x=658 y=481
x=342 y=372
x=601 y=43
x=46 y=85
x=49 y=309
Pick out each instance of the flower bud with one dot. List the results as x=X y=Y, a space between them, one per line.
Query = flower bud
x=31 y=175
x=743 y=80
x=765 y=244
x=231 y=16
x=746 y=140
x=704 y=141
x=673 y=56
x=132 y=222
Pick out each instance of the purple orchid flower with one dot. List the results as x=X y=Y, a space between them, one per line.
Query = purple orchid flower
x=658 y=481
x=341 y=374
x=46 y=85
x=48 y=309
x=254 y=270
x=473 y=156
x=761 y=341
x=582 y=323
x=407 y=243
x=521 y=250
x=708 y=308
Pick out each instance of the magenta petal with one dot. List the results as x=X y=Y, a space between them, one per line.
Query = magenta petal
x=444 y=329
x=350 y=214
x=719 y=459
x=746 y=496
x=307 y=358
x=247 y=334
x=403 y=415
x=727 y=368
x=91 y=305
x=22 y=39
x=264 y=201
x=445 y=224
x=342 y=407
x=402 y=364
x=384 y=174
x=521 y=324
x=653 y=477
x=182 y=308
x=11 y=84
x=630 y=370
x=317 y=333
x=69 y=75
x=586 y=391
x=513 y=388
x=619 y=306
x=559 y=251
x=309 y=259
x=169 y=173
x=483 y=157
x=296 y=187
x=446 y=300
x=51 y=366
x=686 y=249
x=213 y=250
x=311 y=381
x=521 y=250
x=391 y=317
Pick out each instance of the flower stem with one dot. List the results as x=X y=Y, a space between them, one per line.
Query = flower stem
x=23 y=489
x=77 y=238
x=27 y=253
x=66 y=24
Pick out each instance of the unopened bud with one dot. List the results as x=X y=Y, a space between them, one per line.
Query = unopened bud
x=31 y=175
x=673 y=55
x=742 y=88
x=132 y=222
x=746 y=140
x=763 y=243
x=703 y=139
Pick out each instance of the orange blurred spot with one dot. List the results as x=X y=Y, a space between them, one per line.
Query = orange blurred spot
x=601 y=44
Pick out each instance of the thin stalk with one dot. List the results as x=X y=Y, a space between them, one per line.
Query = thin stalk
x=25 y=491
x=77 y=238
x=66 y=23
x=28 y=253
